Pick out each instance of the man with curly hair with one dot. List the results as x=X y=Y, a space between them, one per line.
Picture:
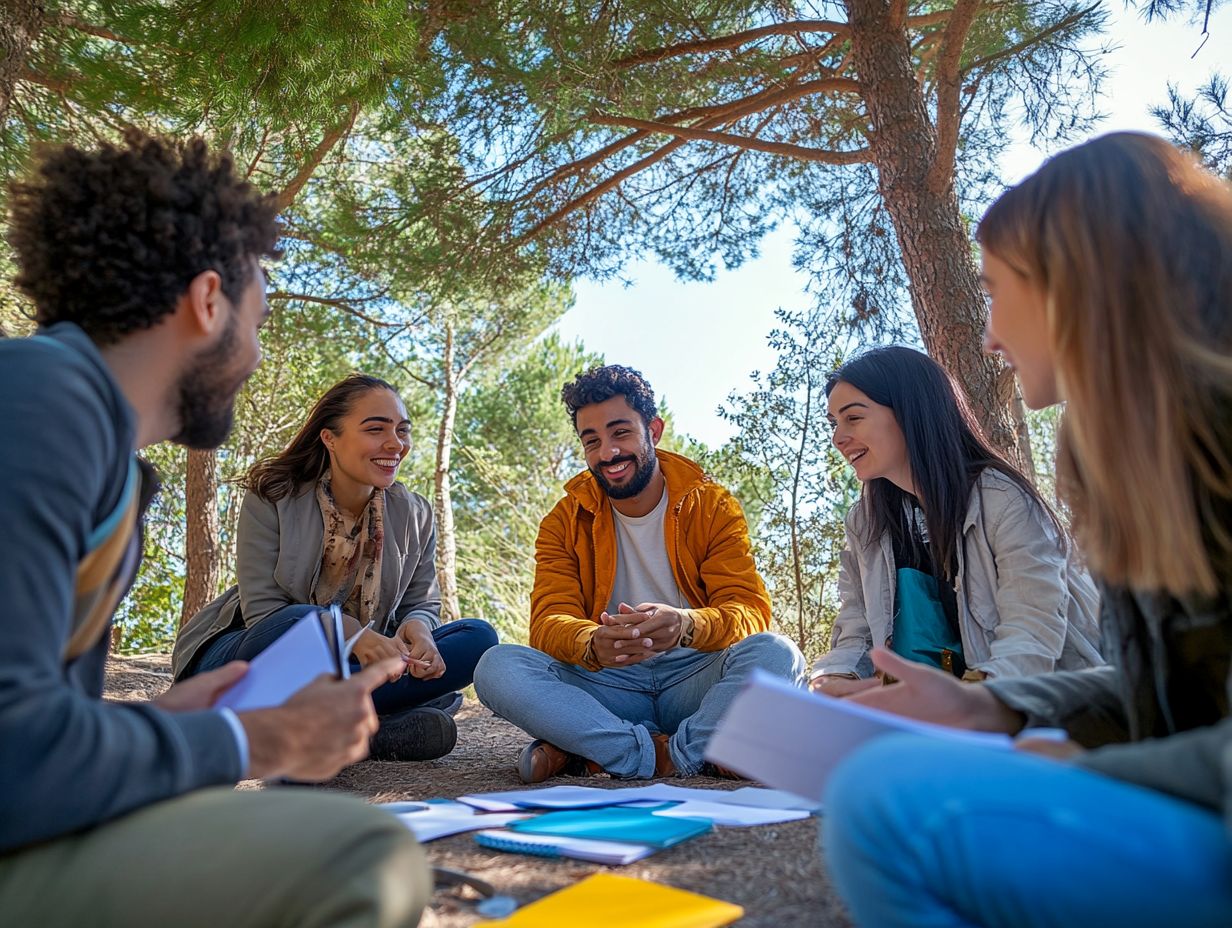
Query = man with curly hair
x=141 y=260
x=647 y=612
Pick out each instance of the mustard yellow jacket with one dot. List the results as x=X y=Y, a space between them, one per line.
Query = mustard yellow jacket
x=707 y=545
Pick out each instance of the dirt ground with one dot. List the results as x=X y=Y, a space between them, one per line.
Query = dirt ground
x=772 y=871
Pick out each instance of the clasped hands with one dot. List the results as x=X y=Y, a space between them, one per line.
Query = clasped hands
x=635 y=633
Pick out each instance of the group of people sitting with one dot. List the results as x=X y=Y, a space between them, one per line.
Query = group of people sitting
x=964 y=598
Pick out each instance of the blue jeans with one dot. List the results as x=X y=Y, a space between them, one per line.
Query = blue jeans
x=461 y=644
x=922 y=833
x=608 y=715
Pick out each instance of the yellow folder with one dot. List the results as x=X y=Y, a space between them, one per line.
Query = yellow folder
x=621 y=902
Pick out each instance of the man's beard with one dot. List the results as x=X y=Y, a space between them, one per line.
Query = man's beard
x=645 y=468
x=207 y=395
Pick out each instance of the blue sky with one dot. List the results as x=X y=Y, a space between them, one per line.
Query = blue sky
x=697 y=342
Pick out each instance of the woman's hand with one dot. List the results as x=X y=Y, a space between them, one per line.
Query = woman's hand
x=932 y=695
x=1050 y=747
x=838 y=684
x=425 y=661
x=373 y=647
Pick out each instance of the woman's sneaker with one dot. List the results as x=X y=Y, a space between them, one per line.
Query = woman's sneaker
x=421 y=733
x=450 y=702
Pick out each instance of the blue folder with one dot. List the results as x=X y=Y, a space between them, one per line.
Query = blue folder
x=616 y=823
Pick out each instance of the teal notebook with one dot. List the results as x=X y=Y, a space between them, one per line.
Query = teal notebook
x=615 y=823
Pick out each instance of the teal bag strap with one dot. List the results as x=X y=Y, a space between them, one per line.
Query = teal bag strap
x=921 y=632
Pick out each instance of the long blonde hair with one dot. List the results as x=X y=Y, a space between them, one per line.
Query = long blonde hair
x=1131 y=242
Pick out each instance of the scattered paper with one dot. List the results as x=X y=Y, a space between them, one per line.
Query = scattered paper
x=793 y=739
x=591 y=797
x=728 y=814
x=441 y=819
x=552 y=797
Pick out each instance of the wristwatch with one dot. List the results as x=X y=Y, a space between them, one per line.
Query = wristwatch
x=687 y=630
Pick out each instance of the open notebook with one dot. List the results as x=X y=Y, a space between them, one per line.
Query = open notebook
x=312 y=646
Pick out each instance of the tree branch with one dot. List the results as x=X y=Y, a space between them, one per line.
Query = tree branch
x=599 y=189
x=55 y=84
x=949 y=90
x=74 y=22
x=800 y=152
x=735 y=40
x=1059 y=26
x=288 y=193
x=335 y=302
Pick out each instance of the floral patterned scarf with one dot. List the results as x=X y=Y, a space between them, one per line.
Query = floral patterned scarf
x=351 y=560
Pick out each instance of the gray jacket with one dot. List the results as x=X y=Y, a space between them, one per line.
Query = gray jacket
x=278 y=558
x=1024 y=607
x=1168 y=690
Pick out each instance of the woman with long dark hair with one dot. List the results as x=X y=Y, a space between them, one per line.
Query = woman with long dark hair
x=326 y=522
x=952 y=557
x=1110 y=273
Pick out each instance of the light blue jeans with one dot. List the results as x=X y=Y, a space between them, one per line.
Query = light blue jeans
x=609 y=715
x=921 y=833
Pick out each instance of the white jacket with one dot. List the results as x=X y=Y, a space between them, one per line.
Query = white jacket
x=1024 y=606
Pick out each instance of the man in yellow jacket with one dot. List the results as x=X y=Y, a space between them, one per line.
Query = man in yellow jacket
x=647 y=611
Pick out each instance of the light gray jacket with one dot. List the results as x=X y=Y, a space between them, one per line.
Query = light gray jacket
x=1024 y=607
x=278 y=557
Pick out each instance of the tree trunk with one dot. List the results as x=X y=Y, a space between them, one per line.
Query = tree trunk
x=945 y=290
x=446 y=539
x=201 y=533
x=21 y=22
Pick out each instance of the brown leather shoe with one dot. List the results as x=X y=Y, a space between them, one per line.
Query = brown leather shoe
x=664 y=765
x=722 y=773
x=541 y=761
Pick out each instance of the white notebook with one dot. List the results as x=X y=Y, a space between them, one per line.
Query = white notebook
x=304 y=652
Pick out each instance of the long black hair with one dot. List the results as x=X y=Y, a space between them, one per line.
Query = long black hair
x=305 y=459
x=946 y=450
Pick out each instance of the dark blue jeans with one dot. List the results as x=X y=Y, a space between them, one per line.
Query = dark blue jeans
x=461 y=644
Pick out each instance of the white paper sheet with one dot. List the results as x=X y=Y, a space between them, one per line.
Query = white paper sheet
x=441 y=819
x=297 y=658
x=552 y=797
x=753 y=796
x=757 y=804
x=793 y=739
x=730 y=815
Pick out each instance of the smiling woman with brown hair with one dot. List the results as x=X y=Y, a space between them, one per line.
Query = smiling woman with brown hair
x=326 y=522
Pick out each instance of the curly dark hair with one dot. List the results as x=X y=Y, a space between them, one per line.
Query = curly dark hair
x=110 y=238
x=608 y=380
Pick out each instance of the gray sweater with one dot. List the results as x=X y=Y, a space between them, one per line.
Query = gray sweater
x=70 y=760
x=1024 y=605
x=278 y=557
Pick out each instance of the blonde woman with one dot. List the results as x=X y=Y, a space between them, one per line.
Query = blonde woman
x=1110 y=274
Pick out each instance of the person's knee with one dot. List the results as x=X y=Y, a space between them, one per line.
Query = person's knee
x=480 y=635
x=399 y=869
x=870 y=794
x=775 y=654
x=377 y=867
x=500 y=667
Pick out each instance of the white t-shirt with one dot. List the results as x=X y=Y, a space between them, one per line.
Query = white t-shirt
x=643 y=572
